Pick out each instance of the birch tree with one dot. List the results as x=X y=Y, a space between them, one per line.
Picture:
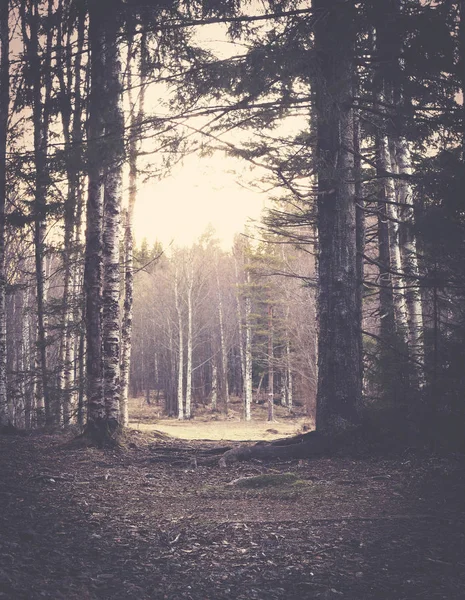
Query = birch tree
x=4 y=111
x=98 y=426
x=113 y=165
x=136 y=114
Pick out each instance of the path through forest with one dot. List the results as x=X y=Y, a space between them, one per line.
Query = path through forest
x=147 y=522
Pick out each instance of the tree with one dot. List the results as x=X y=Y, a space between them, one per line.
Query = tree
x=4 y=111
x=339 y=351
x=102 y=244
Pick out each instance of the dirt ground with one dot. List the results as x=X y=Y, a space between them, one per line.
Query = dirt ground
x=150 y=522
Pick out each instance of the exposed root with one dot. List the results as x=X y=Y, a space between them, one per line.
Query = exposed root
x=100 y=433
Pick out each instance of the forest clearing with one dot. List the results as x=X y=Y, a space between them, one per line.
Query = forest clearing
x=217 y=426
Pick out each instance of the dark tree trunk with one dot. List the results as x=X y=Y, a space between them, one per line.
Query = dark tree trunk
x=93 y=275
x=339 y=349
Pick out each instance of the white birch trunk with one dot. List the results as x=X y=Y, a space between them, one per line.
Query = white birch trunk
x=126 y=332
x=224 y=352
x=239 y=324
x=190 y=285
x=399 y=286
x=180 y=393
x=93 y=274
x=214 y=395
x=290 y=398
x=410 y=259
x=4 y=110
x=114 y=133
x=270 y=364
x=248 y=353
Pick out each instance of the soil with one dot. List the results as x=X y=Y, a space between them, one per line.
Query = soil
x=159 y=519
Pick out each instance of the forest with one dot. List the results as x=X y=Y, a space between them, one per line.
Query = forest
x=331 y=332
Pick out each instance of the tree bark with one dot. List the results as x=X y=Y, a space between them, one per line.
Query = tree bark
x=339 y=352
x=72 y=132
x=386 y=295
x=399 y=285
x=180 y=393
x=190 y=316
x=270 y=390
x=410 y=262
x=4 y=110
x=114 y=157
x=248 y=352
x=93 y=274
x=126 y=331
x=224 y=352
x=30 y=17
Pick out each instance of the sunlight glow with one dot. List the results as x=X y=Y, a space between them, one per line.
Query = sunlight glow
x=201 y=191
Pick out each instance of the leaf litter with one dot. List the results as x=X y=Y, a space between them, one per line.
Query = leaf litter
x=124 y=525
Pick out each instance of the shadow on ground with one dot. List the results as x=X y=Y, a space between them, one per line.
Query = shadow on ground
x=85 y=524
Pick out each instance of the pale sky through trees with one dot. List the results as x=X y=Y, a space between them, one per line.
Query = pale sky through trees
x=198 y=192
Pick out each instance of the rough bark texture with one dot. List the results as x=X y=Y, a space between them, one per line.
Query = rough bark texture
x=386 y=296
x=248 y=353
x=239 y=322
x=4 y=106
x=339 y=351
x=190 y=316
x=214 y=392
x=40 y=88
x=114 y=131
x=224 y=352
x=72 y=132
x=399 y=286
x=410 y=260
x=180 y=394
x=270 y=415
x=360 y=232
x=301 y=446
x=93 y=275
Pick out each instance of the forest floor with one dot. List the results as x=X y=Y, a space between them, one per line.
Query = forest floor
x=147 y=521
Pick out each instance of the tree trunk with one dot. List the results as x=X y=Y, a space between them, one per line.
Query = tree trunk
x=40 y=114
x=248 y=352
x=339 y=351
x=126 y=332
x=72 y=131
x=93 y=275
x=410 y=262
x=360 y=234
x=214 y=393
x=180 y=393
x=190 y=285
x=4 y=111
x=114 y=134
x=289 y=378
x=462 y=69
x=239 y=323
x=224 y=352
x=386 y=295
x=399 y=286
x=270 y=364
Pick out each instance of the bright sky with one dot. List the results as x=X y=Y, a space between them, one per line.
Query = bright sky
x=199 y=192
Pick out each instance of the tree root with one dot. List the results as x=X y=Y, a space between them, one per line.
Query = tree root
x=301 y=446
